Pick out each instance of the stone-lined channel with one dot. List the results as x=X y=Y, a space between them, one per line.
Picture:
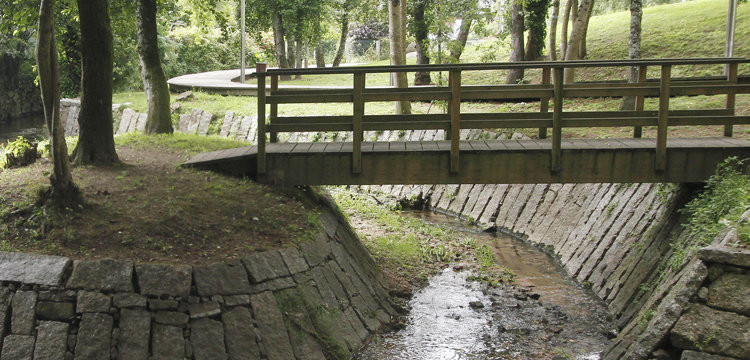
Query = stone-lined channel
x=544 y=315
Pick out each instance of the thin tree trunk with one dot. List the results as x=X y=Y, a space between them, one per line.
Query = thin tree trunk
x=398 y=49
x=583 y=51
x=152 y=74
x=344 y=22
x=96 y=144
x=564 y=30
x=463 y=35
x=634 y=48
x=63 y=191
x=291 y=53
x=279 y=44
x=516 y=42
x=320 y=60
x=423 y=42
x=552 y=41
x=300 y=56
x=578 y=32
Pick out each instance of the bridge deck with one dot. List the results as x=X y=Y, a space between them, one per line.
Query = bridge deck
x=481 y=161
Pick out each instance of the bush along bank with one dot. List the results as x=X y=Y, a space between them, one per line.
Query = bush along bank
x=319 y=300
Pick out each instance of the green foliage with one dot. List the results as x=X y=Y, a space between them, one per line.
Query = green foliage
x=724 y=200
x=19 y=152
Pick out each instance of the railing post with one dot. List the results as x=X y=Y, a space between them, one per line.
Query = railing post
x=640 y=100
x=556 y=156
x=661 y=132
x=454 y=81
x=358 y=113
x=544 y=104
x=732 y=78
x=274 y=108
x=260 y=69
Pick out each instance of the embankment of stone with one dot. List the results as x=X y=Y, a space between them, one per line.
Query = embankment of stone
x=319 y=300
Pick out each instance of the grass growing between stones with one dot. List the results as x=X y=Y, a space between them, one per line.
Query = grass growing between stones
x=148 y=209
x=409 y=249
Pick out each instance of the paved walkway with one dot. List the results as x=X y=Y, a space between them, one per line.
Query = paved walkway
x=227 y=82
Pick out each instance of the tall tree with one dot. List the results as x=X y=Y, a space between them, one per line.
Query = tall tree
x=583 y=50
x=152 y=74
x=63 y=191
x=396 y=26
x=96 y=144
x=569 y=6
x=553 y=29
x=578 y=32
x=457 y=46
x=420 y=29
x=634 y=48
x=516 y=41
x=535 y=22
x=344 y=34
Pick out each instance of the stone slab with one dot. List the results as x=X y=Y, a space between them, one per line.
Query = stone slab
x=129 y=300
x=135 y=333
x=207 y=340
x=264 y=266
x=725 y=255
x=221 y=279
x=695 y=355
x=202 y=310
x=293 y=260
x=714 y=331
x=5 y=297
x=172 y=318
x=18 y=347
x=33 y=269
x=23 y=316
x=102 y=275
x=272 y=326
x=51 y=340
x=94 y=337
x=240 y=334
x=168 y=343
x=731 y=292
x=56 y=311
x=158 y=279
x=90 y=301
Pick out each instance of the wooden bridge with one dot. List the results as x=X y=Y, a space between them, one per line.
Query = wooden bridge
x=451 y=160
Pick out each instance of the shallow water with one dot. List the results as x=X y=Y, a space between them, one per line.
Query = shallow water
x=545 y=315
x=27 y=127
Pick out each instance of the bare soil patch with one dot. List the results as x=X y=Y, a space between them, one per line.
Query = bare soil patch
x=150 y=210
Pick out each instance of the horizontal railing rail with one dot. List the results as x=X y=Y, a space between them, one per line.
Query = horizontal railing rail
x=551 y=87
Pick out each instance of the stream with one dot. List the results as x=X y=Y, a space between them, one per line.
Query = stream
x=26 y=127
x=544 y=315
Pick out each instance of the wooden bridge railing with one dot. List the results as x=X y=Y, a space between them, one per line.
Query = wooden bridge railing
x=552 y=87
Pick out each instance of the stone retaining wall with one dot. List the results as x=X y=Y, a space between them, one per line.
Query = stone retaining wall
x=319 y=300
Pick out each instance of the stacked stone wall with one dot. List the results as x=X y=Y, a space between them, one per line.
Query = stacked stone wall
x=319 y=300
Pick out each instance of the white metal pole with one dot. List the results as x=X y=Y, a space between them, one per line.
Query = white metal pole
x=242 y=40
x=731 y=24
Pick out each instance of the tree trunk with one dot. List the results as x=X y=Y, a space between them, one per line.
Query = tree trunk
x=578 y=32
x=634 y=48
x=398 y=49
x=463 y=35
x=552 y=41
x=564 y=30
x=291 y=52
x=582 y=51
x=516 y=42
x=279 y=44
x=159 y=120
x=63 y=191
x=300 y=56
x=320 y=60
x=344 y=22
x=96 y=144
x=421 y=32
